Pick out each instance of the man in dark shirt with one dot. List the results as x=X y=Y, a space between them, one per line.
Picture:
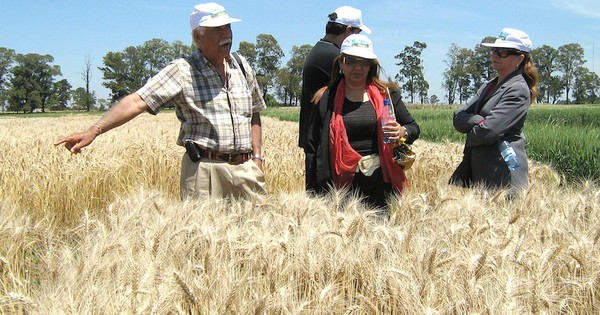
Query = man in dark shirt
x=343 y=22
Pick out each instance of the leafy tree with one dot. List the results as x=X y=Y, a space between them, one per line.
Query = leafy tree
x=81 y=98
x=268 y=58
x=125 y=72
x=6 y=60
x=61 y=94
x=116 y=75
x=136 y=57
x=449 y=84
x=157 y=53
x=423 y=90
x=283 y=86
x=179 y=49
x=545 y=58
x=482 y=64
x=46 y=80
x=555 y=88
x=587 y=86
x=32 y=81
x=434 y=99
x=289 y=79
x=411 y=71
x=456 y=77
x=570 y=58
x=471 y=80
x=248 y=50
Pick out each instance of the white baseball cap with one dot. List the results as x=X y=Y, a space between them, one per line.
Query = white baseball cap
x=210 y=15
x=349 y=16
x=358 y=45
x=512 y=38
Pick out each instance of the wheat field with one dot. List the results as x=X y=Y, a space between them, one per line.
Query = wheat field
x=104 y=232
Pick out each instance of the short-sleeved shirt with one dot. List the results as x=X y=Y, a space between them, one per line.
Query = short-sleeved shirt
x=215 y=116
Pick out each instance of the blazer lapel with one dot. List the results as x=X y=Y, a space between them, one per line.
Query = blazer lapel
x=487 y=94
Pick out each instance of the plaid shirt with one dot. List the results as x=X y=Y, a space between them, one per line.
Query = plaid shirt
x=213 y=115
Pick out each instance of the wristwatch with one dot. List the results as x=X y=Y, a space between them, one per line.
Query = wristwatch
x=258 y=157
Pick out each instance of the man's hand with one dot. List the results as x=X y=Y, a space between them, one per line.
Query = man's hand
x=259 y=163
x=77 y=141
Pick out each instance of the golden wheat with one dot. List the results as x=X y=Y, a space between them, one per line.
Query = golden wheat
x=104 y=232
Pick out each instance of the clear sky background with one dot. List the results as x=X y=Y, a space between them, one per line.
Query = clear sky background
x=73 y=30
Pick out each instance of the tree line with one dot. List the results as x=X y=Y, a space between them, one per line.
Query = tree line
x=30 y=82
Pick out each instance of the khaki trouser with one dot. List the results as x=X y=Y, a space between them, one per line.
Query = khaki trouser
x=220 y=179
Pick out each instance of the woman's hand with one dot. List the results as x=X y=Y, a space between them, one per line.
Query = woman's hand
x=394 y=131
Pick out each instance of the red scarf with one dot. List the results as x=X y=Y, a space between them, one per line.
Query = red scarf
x=344 y=159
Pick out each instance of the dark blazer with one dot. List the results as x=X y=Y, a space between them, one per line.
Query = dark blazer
x=317 y=145
x=315 y=75
x=487 y=121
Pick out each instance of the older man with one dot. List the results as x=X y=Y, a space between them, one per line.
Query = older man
x=217 y=101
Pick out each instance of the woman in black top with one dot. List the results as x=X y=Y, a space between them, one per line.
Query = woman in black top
x=345 y=147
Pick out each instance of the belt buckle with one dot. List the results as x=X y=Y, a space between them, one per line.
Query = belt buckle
x=239 y=158
x=236 y=158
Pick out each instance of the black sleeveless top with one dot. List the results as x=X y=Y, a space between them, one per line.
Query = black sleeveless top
x=361 y=126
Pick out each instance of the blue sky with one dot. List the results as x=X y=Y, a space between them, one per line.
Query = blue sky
x=72 y=30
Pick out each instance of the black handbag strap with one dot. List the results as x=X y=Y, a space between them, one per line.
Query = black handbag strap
x=239 y=61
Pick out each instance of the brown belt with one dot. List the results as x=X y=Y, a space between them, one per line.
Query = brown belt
x=235 y=158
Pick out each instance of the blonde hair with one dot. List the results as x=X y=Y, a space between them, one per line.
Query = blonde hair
x=531 y=75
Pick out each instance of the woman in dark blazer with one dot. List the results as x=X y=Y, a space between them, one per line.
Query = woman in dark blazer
x=497 y=113
x=345 y=129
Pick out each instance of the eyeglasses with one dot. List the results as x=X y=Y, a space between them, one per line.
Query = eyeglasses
x=505 y=52
x=353 y=61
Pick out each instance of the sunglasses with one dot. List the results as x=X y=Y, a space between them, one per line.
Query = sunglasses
x=353 y=61
x=505 y=52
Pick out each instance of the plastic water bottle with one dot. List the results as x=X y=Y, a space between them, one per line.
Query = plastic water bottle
x=509 y=155
x=388 y=115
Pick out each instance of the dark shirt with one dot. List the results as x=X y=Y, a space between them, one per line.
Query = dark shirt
x=361 y=126
x=315 y=75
